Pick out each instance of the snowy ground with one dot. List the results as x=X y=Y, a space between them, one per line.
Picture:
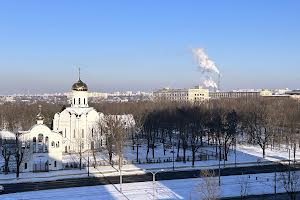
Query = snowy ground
x=245 y=156
x=170 y=189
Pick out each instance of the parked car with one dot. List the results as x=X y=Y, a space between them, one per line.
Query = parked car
x=1 y=188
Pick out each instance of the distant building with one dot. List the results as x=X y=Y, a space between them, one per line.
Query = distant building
x=98 y=95
x=240 y=94
x=196 y=94
x=294 y=94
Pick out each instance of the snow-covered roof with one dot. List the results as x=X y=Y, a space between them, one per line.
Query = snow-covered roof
x=7 y=134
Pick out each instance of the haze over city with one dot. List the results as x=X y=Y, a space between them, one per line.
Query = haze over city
x=147 y=45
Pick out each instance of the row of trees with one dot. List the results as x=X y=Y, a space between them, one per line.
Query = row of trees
x=265 y=122
x=222 y=123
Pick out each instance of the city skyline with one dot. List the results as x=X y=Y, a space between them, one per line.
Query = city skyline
x=145 y=46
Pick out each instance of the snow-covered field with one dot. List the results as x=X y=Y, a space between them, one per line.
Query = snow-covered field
x=245 y=156
x=170 y=189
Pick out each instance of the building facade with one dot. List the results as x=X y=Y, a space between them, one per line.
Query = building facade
x=79 y=123
x=240 y=94
x=196 y=94
x=43 y=148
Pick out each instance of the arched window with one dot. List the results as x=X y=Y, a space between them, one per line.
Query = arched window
x=57 y=144
x=34 y=144
x=92 y=132
x=53 y=144
x=40 y=143
x=79 y=101
x=46 y=143
x=84 y=101
x=54 y=163
x=74 y=101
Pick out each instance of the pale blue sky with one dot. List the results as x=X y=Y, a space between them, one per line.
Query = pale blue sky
x=145 y=45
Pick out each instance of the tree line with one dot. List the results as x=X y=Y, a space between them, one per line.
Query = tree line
x=266 y=122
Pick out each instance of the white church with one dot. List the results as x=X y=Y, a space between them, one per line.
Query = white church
x=73 y=128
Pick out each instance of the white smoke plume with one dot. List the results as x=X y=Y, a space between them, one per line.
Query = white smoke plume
x=210 y=83
x=204 y=63
x=207 y=67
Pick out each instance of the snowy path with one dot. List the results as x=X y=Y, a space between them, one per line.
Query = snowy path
x=174 y=189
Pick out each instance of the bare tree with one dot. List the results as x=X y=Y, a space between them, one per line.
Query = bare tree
x=260 y=124
x=244 y=185
x=95 y=138
x=209 y=188
x=79 y=145
x=291 y=182
x=20 y=151
x=6 y=151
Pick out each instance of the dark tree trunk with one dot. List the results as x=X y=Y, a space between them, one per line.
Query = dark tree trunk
x=193 y=155
x=153 y=147
x=137 y=153
x=178 y=148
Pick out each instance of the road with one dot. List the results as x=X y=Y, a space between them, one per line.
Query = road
x=168 y=175
x=280 y=196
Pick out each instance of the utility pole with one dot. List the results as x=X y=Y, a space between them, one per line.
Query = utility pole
x=235 y=152
x=88 y=163
x=173 y=152
x=219 y=168
x=289 y=165
x=275 y=180
x=120 y=170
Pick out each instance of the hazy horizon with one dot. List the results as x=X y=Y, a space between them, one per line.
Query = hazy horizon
x=147 y=45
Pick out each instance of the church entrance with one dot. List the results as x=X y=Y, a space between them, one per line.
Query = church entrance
x=40 y=165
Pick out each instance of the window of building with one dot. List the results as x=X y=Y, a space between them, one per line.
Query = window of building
x=54 y=163
x=57 y=144
x=40 y=142
x=34 y=144
x=84 y=101
x=65 y=132
x=74 y=100
x=74 y=133
x=79 y=101
x=92 y=145
x=46 y=143
x=53 y=144
x=25 y=165
x=92 y=132
x=82 y=133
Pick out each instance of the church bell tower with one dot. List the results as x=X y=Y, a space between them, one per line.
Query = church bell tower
x=79 y=94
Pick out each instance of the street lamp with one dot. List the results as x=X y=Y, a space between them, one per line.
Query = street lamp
x=88 y=165
x=153 y=180
x=173 y=152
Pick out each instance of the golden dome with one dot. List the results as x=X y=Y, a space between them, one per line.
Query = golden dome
x=79 y=86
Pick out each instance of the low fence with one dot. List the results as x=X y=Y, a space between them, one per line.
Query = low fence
x=204 y=155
